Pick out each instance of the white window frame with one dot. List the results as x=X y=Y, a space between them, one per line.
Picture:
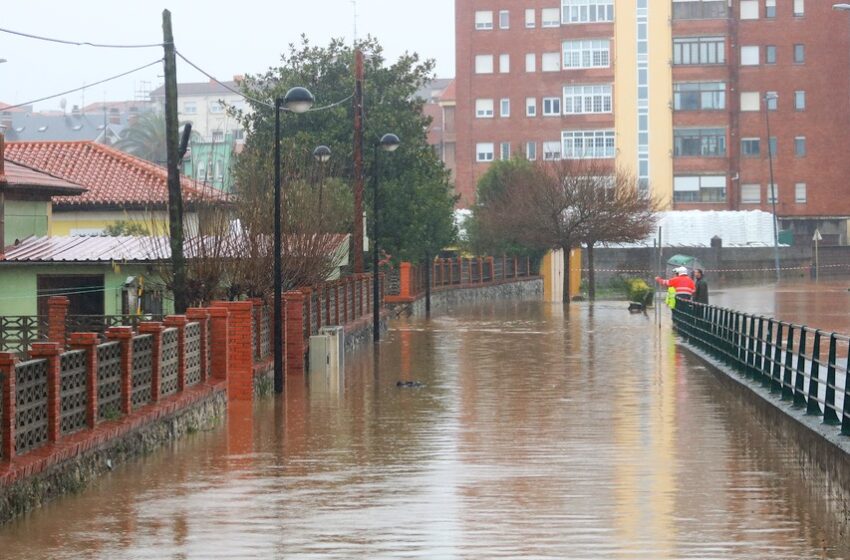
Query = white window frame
x=484 y=109
x=797 y=140
x=551 y=106
x=484 y=152
x=750 y=101
x=504 y=63
x=750 y=55
x=587 y=11
x=483 y=20
x=190 y=107
x=768 y=5
x=504 y=151
x=484 y=64
x=586 y=53
x=504 y=19
x=799 y=8
x=698 y=183
x=771 y=103
x=800 y=100
x=769 y=191
x=589 y=144
x=749 y=9
x=530 y=15
x=550 y=62
x=530 y=62
x=531 y=151
x=505 y=107
x=586 y=99
x=530 y=106
x=550 y=17
x=552 y=151
x=751 y=193
x=798 y=189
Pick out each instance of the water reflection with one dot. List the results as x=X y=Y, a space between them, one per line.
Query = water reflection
x=539 y=432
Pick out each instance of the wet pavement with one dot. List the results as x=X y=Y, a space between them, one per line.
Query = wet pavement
x=539 y=432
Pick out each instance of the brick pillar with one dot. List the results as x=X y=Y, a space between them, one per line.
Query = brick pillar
x=294 y=333
x=8 y=361
x=480 y=270
x=88 y=342
x=256 y=318
x=240 y=352
x=404 y=279
x=50 y=351
x=516 y=267
x=179 y=322
x=218 y=339
x=201 y=315
x=345 y=290
x=57 y=314
x=336 y=303
x=327 y=296
x=308 y=311
x=154 y=328
x=124 y=335
x=491 y=262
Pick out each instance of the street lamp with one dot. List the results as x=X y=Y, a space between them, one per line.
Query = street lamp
x=296 y=100
x=321 y=154
x=768 y=97
x=388 y=143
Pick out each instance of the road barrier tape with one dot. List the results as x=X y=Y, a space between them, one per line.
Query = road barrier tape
x=766 y=269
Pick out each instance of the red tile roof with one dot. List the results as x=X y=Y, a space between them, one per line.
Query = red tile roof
x=449 y=94
x=23 y=178
x=112 y=177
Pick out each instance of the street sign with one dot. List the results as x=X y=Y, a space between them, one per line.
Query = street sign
x=817 y=236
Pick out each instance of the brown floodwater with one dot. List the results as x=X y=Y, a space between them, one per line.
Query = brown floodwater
x=539 y=432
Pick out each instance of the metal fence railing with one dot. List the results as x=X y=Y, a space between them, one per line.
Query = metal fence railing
x=804 y=365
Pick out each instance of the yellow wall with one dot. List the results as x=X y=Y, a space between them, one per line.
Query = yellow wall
x=64 y=223
x=660 y=94
x=551 y=269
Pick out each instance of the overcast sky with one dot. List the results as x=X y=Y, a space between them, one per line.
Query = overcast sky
x=223 y=38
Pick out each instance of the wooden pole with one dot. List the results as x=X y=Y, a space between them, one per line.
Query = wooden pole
x=358 y=161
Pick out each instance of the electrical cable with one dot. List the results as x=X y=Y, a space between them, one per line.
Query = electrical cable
x=78 y=43
x=83 y=87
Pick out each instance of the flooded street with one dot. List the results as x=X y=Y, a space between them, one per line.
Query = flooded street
x=539 y=432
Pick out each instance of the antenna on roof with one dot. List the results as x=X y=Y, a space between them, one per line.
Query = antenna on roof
x=354 y=41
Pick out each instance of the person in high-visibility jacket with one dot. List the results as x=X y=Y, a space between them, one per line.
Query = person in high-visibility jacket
x=680 y=282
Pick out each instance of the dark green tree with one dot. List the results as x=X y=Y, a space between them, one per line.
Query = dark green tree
x=417 y=199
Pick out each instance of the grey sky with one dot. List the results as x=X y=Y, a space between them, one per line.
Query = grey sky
x=224 y=38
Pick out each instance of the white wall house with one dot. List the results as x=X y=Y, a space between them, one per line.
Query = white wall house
x=205 y=104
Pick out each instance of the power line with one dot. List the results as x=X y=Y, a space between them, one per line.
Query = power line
x=84 y=87
x=78 y=43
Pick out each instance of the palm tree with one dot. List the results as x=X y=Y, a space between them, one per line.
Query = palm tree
x=145 y=138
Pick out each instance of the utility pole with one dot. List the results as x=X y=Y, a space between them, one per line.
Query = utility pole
x=175 y=196
x=358 y=161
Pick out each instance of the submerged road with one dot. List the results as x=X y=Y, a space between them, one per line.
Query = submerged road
x=539 y=432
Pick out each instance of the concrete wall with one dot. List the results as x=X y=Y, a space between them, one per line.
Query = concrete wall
x=528 y=288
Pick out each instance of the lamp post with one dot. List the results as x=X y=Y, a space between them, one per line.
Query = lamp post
x=388 y=143
x=768 y=97
x=296 y=100
x=321 y=154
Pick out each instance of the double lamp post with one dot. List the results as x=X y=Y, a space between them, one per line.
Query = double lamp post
x=300 y=100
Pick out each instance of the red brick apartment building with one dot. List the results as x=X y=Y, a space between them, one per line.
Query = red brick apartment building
x=679 y=92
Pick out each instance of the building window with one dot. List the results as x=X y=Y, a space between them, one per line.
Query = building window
x=799 y=53
x=530 y=106
x=800 y=193
x=216 y=107
x=217 y=135
x=504 y=19
x=484 y=64
x=749 y=55
x=699 y=9
x=530 y=62
x=484 y=108
x=531 y=151
x=750 y=147
x=484 y=151
x=749 y=9
x=483 y=20
x=551 y=151
x=750 y=194
x=550 y=17
x=505 y=108
x=771 y=145
x=800 y=100
x=800 y=146
x=579 y=100
x=770 y=54
x=750 y=101
x=550 y=62
x=588 y=144
x=529 y=18
x=593 y=53
x=771 y=99
x=702 y=142
x=699 y=96
x=770 y=8
x=238 y=133
x=699 y=50
x=586 y=11
x=190 y=107
x=505 y=151
x=551 y=106
x=772 y=192
x=504 y=63
x=699 y=188
x=799 y=7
